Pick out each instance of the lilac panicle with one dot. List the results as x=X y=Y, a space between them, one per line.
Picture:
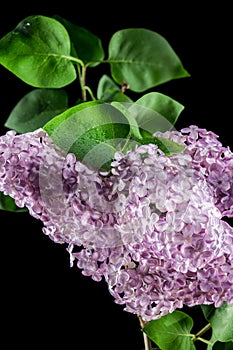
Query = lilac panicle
x=213 y=160
x=54 y=186
x=153 y=227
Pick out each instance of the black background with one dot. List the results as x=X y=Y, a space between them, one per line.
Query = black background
x=44 y=302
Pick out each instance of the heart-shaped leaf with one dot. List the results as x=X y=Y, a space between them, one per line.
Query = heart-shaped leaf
x=221 y=320
x=143 y=59
x=214 y=344
x=142 y=136
x=37 y=51
x=93 y=131
x=88 y=46
x=36 y=108
x=156 y=112
x=171 y=332
x=223 y=346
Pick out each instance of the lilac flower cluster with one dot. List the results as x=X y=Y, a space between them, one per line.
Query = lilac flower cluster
x=212 y=159
x=55 y=187
x=153 y=227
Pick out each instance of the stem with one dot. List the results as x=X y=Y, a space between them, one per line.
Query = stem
x=147 y=341
x=90 y=92
x=83 y=83
x=82 y=71
x=74 y=59
x=201 y=332
x=205 y=341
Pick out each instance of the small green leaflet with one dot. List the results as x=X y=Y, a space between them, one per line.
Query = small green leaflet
x=108 y=91
x=169 y=147
x=8 y=204
x=171 y=332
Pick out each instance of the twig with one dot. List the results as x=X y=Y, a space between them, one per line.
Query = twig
x=147 y=341
x=201 y=332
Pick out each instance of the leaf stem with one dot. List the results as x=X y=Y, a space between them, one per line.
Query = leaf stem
x=74 y=59
x=204 y=341
x=87 y=88
x=147 y=341
x=83 y=83
x=201 y=332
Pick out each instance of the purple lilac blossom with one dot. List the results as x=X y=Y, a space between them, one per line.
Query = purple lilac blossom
x=54 y=186
x=212 y=159
x=153 y=227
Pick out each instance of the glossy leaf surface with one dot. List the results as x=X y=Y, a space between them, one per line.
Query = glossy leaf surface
x=93 y=131
x=143 y=59
x=171 y=332
x=221 y=320
x=36 y=108
x=87 y=46
x=37 y=51
x=156 y=112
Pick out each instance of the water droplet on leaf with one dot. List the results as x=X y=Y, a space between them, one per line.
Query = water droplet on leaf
x=24 y=27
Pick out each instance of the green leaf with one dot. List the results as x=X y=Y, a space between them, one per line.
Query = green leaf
x=171 y=332
x=36 y=108
x=93 y=131
x=169 y=147
x=37 y=51
x=142 y=136
x=108 y=91
x=217 y=345
x=223 y=346
x=143 y=59
x=88 y=47
x=156 y=112
x=221 y=320
x=212 y=341
x=124 y=108
x=7 y=203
